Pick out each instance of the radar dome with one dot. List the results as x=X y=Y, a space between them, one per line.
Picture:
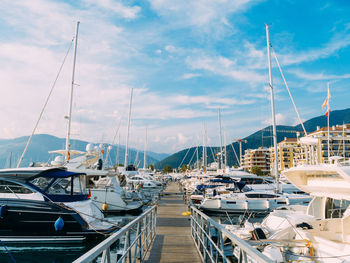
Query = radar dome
x=59 y=160
x=89 y=147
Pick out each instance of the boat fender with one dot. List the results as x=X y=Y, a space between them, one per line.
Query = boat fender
x=258 y=234
x=59 y=224
x=104 y=206
x=3 y=211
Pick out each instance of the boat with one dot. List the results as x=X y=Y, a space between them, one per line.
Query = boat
x=251 y=202
x=104 y=186
x=319 y=232
x=48 y=205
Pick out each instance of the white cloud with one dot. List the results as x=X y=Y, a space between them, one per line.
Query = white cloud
x=317 y=76
x=170 y=48
x=335 y=44
x=190 y=75
x=181 y=138
x=129 y=12
x=225 y=67
x=281 y=119
x=199 y=13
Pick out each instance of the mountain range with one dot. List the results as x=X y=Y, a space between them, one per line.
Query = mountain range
x=41 y=144
x=261 y=138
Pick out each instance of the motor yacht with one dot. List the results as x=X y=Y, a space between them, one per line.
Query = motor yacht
x=40 y=204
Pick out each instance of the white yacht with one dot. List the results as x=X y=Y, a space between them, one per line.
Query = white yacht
x=252 y=201
x=318 y=233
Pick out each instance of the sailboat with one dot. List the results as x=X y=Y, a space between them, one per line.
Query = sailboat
x=256 y=201
x=49 y=204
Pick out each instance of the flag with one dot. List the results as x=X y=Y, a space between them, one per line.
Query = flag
x=326 y=103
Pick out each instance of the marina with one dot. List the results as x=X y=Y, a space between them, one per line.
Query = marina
x=194 y=131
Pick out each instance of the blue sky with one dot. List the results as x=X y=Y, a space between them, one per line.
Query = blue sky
x=184 y=59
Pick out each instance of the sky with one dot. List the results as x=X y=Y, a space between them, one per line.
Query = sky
x=183 y=59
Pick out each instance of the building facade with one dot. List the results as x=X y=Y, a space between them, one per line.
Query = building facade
x=257 y=157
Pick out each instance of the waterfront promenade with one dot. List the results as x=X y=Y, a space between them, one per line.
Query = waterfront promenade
x=173 y=241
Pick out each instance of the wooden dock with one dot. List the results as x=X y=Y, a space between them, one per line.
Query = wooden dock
x=173 y=241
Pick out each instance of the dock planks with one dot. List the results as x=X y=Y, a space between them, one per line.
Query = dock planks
x=173 y=241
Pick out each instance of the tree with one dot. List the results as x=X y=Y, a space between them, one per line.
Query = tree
x=183 y=168
x=167 y=169
x=256 y=170
x=151 y=166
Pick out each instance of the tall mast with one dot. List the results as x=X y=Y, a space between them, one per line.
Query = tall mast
x=117 y=155
x=274 y=135
x=197 y=158
x=219 y=119
x=204 y=148
x=128 y=131
x=71 y=93
x=144 y=152
x=240 y=152
x=225 y=149
x=328 y=151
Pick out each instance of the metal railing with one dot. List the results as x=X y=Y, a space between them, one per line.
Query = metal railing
x=137 y=237
x=208 y=237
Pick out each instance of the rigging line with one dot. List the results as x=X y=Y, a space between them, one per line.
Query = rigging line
x=115 y=135
x=290 y=95
x=194 y=152
x=8 y=251
x=233 y=148
x=212 y=153
x=45 y=104
x=184 y=157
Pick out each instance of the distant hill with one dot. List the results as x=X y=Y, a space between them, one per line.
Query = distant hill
x=41 y=144
x=260 y=138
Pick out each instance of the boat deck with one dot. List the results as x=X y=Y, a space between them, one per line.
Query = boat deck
x=173 y=241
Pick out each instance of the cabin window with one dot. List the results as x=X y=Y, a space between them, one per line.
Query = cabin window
x=335 y=208
x=41 y=182
x=7 y=187
x=78 y=186
x=60 y=186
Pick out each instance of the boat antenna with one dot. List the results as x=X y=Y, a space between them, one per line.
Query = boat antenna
x=274 y=135
x=44 y=107
x=128 y=130
x=71 y=93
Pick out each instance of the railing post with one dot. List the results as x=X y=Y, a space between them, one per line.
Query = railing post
x=106 y=256
x=138 y=245
x=129 y=242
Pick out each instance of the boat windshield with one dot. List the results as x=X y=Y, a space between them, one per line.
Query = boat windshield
x=60 y=186
x=41 y=182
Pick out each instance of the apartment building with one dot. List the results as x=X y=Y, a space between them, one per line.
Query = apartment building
x=257 y=157
x=286 y=152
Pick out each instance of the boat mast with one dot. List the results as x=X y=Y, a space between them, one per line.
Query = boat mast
x=128 y=131
x=71 y=93
x=117 y=155
x=219 y=118
x=328 y=151
x=144 y=152
x=274 y=135
x=225 y=149
x=204 y=153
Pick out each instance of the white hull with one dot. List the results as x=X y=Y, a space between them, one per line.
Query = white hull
x=114 y=201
